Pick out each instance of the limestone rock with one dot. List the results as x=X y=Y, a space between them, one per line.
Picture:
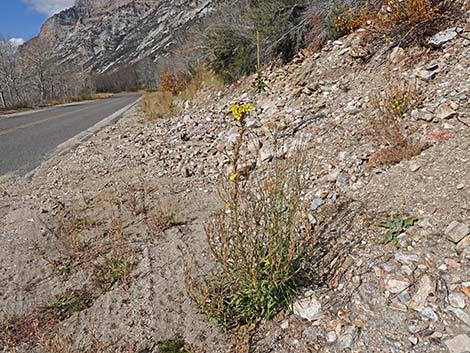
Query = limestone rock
x=308 y=308
x=456 y=231
x=426 y=286
x=441 y=38
x=458 y=344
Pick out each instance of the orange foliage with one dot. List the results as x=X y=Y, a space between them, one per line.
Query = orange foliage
x=174 y=83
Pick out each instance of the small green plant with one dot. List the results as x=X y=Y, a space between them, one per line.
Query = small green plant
x=65 y=305
x=395 y=226
x=259 y=84
x=261 y=242
x=175 y=345
x=62 y=266
x=114 y=269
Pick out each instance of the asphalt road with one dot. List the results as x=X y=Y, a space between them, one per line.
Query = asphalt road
x=30 y=138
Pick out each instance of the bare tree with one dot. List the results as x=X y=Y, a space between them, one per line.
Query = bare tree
x=9 y=74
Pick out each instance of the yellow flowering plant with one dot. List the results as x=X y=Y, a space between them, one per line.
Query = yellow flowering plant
x=240 y=112
x=261 y=241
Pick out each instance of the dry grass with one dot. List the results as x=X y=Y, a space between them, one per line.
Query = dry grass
x=20 y=329
x=395 y=154
x=388 y=131
x=410 y=21
x=156 y=105
x=160 y=219
x=391 y=106
x=89 y=96
x=59 y=344
x=203 y=80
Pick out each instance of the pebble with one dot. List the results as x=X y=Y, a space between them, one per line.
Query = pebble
x=444 y=111
x=395 y=284
x=425 y=288
x=461 y=315
x=349 y=338
x=429 y=313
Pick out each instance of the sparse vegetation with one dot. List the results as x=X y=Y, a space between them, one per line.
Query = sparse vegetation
x=203 y=79
x=261 y=242
x=112 y=269
x=230 y=52
x=410 y=21
x=58 y=344
x=395 y=226
x=160 y=220
x=388 y=131
x=61 y=266
x=16 y=328
x=175 y=345
x=65 y=305
x=259 y=84
x=158 y=105
x=90 y=96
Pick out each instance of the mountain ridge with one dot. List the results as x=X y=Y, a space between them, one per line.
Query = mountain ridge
x=102 y=36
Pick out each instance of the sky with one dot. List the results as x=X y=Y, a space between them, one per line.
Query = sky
x=22 y=19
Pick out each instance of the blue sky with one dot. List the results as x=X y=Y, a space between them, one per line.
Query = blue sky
x=24 y=18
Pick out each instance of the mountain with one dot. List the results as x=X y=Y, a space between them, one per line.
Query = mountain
x=103 y=35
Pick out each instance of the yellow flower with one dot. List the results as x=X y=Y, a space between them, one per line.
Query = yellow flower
x=233 y=177
x=239 y=112
x=266 y=262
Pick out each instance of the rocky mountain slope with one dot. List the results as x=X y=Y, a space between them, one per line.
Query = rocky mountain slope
x=106 y=34
x=412 y=296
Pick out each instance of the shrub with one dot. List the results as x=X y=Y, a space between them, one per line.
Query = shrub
x=350 y=19
x=230 y=52
x=261 y=242
x=330 y=20
x=388 y=130
x=412 y=20
x=173 y=83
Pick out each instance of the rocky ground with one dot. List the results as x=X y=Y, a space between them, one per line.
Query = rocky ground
x=412 y=296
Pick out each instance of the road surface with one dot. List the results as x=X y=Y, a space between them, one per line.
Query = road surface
x=30 y=138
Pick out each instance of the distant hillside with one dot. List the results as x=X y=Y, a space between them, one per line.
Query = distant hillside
x=102 y=35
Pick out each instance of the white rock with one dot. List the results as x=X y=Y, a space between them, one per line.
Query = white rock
x=461 y=315
x=444 y=111
x=308 y=308
x=429 y=313
x=456 y=231
x=458 y=344
x=457 y=300
x=441 y=38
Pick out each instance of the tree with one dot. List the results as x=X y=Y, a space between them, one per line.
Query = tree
x=9 y=74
